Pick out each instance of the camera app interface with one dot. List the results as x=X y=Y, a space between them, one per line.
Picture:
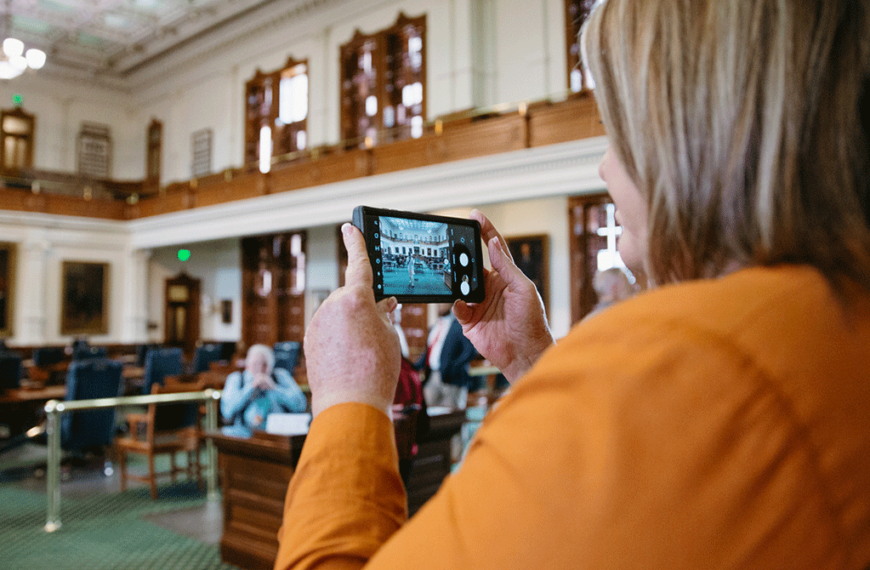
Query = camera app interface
x=424 y=257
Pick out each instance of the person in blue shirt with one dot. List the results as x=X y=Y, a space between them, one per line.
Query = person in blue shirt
x=261 y=389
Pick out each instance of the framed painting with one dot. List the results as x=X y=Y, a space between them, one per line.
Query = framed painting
x=7 y=288
x=85 y=298
x=531 y=255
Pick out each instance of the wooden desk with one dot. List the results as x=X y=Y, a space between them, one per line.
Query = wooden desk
x=36 y=394
x=21 y=408
x=255 y=473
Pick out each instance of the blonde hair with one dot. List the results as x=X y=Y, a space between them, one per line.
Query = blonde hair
x=740 y=122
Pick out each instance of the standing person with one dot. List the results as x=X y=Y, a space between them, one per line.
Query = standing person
x=446 y=362
x=718 y=421
x=411 y=271
x=261 y=389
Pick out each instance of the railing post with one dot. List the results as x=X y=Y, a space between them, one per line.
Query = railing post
x=211 y=424
x=53 y=410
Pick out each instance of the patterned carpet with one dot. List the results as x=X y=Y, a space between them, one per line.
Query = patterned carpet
x=102 y=531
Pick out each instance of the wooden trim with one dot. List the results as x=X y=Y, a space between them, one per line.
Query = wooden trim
x=467 y=137
x=7 y=290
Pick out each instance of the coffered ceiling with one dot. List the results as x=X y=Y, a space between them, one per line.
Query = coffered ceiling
x=113 y=38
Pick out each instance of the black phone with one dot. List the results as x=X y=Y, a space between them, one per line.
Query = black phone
x=420 y=258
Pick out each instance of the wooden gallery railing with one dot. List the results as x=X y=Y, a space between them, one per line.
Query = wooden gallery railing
x=477 y=133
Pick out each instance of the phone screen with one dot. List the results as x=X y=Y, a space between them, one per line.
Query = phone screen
x=421 y=258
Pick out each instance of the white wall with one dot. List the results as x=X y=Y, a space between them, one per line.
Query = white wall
x=43 y=244
x=217 y=264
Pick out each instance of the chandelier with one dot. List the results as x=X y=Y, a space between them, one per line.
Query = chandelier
x=14 y=60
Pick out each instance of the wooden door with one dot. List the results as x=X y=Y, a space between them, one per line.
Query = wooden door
x=588 y=215
x=16 y=132
x=182 y=312
x=415 y=327
x=273 y=288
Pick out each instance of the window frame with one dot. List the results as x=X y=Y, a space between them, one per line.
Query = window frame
x=572 y=41
x=265 y=87
x=391 y=72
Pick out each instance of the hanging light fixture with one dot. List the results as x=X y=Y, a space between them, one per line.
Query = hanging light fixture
x=14 y=60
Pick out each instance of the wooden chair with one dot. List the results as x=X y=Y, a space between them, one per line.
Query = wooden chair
x=164 y=429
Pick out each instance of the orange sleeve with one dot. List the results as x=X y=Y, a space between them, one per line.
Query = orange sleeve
x=346 y=497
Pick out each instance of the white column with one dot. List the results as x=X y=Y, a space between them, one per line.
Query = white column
x=481 y=24
x=31 y=290
x=461 y=55
x=134 y=304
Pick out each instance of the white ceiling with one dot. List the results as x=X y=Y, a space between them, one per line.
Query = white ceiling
x=112 y=38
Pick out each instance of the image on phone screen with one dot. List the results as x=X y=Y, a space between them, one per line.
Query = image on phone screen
x=423 y=258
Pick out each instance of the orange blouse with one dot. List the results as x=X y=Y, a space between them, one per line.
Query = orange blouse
x=713 y=424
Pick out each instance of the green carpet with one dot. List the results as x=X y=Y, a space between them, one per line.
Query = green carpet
x=102 y=531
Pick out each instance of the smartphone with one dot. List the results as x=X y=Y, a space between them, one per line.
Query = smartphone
x=420 y=258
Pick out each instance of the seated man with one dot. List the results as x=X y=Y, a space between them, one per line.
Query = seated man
x=261 y=389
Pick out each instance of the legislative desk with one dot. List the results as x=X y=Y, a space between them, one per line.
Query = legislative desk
x=255 y=473
x=21 y=408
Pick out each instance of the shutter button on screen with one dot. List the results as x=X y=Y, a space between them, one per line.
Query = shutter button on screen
x=463 y=259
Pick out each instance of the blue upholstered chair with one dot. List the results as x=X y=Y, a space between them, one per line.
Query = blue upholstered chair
x=49 y=366
x=160 y=363
x=10 y=370
x=82 y=352
x=287 y=355
x=142 y=352
x=48 y=356
x=204 y=355
x=91 y=429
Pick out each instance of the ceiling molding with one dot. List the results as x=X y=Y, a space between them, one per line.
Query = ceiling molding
x=235 y=35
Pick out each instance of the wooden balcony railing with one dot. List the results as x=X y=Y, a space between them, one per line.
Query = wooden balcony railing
x=475 y=133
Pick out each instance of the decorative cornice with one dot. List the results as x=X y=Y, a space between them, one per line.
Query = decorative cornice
x=234 y=35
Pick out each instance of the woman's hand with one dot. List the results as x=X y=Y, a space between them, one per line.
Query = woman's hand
x=351 y=349
x=509 y=327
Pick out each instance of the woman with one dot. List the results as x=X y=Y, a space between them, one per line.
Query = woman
x=261 y=389
x=718 y=421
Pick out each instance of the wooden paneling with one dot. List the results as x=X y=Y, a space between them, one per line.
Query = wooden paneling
x=416 y=328
x=402 y=155
x=576 y=118
x=241 y=187
x=173 y=201
x=255 y=473
x=481 y=137
x=25 y=201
